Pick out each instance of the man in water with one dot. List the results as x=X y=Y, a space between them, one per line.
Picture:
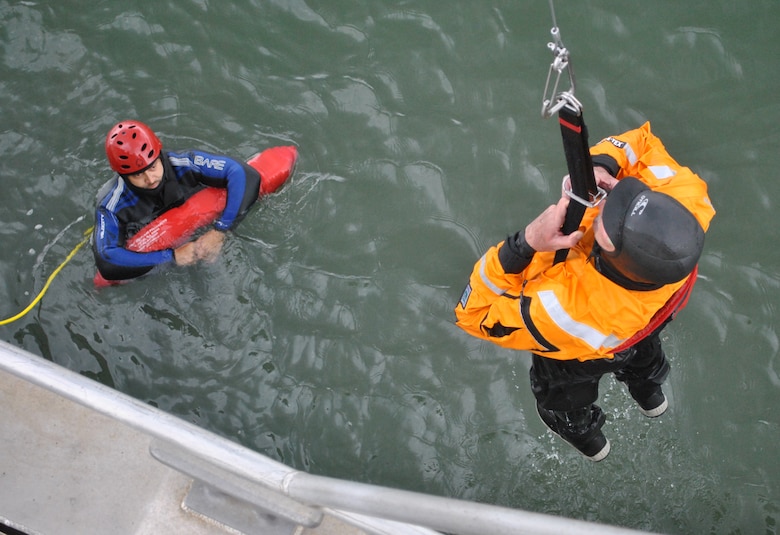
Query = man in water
x=629 y=269
x=150 y=182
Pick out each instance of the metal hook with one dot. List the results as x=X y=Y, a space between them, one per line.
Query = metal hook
x=552 y=101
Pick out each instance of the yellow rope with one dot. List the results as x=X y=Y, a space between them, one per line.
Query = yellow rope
x=49 y=280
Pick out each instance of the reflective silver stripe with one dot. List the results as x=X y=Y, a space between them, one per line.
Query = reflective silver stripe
x=630 y=154
x=661 y=171
x=116 y=193
x=180 y=162
x=486 y=281
x=586 y=333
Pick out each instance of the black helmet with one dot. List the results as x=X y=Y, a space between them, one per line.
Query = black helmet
x=657 y=240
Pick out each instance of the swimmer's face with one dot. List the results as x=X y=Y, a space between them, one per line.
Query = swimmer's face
x=150 y=178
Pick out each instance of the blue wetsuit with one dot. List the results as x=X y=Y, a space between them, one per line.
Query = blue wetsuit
x=124 y=209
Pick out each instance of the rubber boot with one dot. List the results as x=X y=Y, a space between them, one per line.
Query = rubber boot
x=581 y=428
x=645 y=375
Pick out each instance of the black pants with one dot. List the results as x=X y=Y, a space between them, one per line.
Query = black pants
x=571 y=385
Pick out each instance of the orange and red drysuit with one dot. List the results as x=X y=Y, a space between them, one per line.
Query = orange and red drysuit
x=569 y=310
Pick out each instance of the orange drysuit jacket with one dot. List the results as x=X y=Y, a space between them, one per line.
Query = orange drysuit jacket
x=569 y=310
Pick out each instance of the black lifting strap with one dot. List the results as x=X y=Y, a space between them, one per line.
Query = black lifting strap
x=583 y=182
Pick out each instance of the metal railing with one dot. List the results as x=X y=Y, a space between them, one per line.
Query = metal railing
x=225 y=474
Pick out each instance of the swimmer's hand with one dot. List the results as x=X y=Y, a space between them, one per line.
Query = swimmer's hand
x=206 y=248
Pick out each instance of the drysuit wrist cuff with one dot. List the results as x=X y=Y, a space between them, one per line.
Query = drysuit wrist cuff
x=515 y=254
x=607 y=162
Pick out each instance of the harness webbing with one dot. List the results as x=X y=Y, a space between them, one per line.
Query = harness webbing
x=580 y=166
x=675 y=304
x=584 y=191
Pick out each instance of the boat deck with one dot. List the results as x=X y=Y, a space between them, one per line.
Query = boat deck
x=79 y=457
x=66 y=468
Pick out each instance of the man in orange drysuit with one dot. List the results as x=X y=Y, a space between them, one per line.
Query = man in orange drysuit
x=629 y=269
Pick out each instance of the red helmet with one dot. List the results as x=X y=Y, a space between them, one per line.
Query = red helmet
x=131 y=147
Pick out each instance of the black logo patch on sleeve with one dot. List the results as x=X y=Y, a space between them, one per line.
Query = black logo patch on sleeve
x=619 y=144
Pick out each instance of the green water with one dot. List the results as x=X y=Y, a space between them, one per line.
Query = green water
x=323 y=337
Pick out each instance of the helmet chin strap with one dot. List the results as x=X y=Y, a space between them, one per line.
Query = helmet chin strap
x=606 y=268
